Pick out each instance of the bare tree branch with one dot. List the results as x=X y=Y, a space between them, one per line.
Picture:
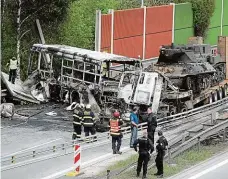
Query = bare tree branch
x=32 y=14
x=24 y=34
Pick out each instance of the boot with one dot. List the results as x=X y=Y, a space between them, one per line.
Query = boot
x=160 y=176
x=73 y=137
x=114 y=152
x=118 y=152
x=144 y=176
x=137 y=175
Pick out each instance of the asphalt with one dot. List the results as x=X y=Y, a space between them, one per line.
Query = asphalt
x=40 y=131
x=215 y=167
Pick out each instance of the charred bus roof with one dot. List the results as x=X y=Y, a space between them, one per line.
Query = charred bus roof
x=74 y=52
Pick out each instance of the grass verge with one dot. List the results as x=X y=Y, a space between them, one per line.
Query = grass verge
x=181 y=162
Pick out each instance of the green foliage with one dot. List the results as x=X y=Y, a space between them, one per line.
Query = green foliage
x=202 y=12
x=79 y=28
x=50 y=14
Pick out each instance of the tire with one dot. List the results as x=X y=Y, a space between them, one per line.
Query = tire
x=215 y=97
x=210 y=99
x=219 y=94
x=172 y=111
x=184 y=108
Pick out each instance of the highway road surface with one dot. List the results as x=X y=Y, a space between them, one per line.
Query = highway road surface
x=214 y=168
x=41 y=131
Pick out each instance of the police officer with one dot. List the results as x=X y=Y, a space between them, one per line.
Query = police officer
x=151 y=124
x=145 y=145
x=88 y=121
x=115 y=131
x=162 y=144
x=12 y=69
x=77 y=123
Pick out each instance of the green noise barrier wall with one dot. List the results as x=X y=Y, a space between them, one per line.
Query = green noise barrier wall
x=183 y=23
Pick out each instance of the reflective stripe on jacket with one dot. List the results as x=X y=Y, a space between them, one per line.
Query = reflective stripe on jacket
x=88 y=119
x=13 y=64
x=115 y=127
x=77 y=117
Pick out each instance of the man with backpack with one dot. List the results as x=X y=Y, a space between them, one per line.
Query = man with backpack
x=162 y=145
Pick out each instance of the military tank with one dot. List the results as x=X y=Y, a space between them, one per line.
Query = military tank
x=190 y=67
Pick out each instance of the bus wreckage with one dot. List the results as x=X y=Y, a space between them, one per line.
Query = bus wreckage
x=108 y=82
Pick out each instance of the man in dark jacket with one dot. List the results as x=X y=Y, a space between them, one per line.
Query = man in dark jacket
x=162 y=145
x=151 y=124
x=145 y=145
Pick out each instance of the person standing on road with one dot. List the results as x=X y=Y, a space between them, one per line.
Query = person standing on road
x=115 y=131
x=151 y=124
x=162 y=145
x=88 y=121
x=134 y=126
x=146 y=148
x=77 y=123
x=13 y=63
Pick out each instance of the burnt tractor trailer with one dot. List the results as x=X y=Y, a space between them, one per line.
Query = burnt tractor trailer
x=174 y=84
x=183 y=78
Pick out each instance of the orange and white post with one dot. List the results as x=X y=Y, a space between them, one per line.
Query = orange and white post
x=77 y=161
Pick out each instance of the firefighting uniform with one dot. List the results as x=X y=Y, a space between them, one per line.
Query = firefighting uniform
x=115 y=132
x=88 y=121
x=77 y=123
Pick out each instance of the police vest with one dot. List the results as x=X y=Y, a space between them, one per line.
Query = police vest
x=115 y=127
x=77 y=117
x=13 y=64
x=88 y=119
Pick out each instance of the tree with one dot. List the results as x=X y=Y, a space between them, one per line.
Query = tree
x=79 y=28
x=202 y=13
x=21 y=15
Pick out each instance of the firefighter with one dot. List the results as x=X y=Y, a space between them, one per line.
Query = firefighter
x=77 y=123
x=88 y=121
x=115 y=131
x=13 y=63
x=162 y=145
x=145 y=146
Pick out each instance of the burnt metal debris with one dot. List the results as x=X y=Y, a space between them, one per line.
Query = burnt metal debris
x=181 y=79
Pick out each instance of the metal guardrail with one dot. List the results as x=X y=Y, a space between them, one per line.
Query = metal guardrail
x=199 y=138
x=62 y=148
x=184 y=144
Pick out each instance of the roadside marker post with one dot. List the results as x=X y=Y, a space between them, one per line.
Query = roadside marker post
x=77 y=161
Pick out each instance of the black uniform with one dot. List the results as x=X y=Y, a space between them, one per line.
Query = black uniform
x=88 y=123
x=152 y=124
x=145 y=145
x=162 y=143
x=115 y=132
x=77 y=123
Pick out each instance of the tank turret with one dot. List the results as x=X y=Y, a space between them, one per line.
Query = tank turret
x=190 y=67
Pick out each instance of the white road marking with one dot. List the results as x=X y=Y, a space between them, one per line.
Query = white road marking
x=9 y=155
x=209 y=169
x=84 y=164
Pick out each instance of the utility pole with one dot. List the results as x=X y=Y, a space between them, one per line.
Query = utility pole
x=142 y=3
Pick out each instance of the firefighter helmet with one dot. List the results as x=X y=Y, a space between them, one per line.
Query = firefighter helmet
x=88 y=106
x=116 y=114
